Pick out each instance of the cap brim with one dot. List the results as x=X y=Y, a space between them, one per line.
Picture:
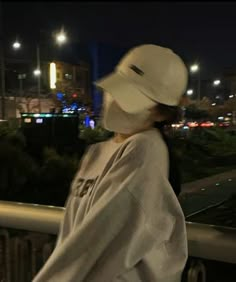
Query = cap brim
x=126 y=93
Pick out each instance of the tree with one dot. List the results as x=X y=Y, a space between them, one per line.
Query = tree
x=230 y=105
x=205 y=103
x=193 y=112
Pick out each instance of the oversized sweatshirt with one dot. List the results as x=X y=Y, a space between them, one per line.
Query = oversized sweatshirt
x=122 y=222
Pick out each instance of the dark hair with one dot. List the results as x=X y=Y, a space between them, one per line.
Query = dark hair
x=172 y=114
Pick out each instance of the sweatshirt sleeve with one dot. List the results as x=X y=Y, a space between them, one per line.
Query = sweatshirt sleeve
x=127 y=218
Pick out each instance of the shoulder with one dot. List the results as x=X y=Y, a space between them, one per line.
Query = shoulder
x=145 y=144
x=97 y=147
x=146 y=140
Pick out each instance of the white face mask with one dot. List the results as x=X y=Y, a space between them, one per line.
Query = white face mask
x=116 y=120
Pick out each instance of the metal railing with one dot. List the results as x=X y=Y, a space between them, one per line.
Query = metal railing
x=204 y=241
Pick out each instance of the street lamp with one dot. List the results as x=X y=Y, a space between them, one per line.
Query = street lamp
x=193 y=69
x=16 y=45
x=20 y=77
x=37 y=72
x=190 y=92
x=216 y=82
x=61 y=37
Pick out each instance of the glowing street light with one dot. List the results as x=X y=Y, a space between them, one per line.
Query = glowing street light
x=194 y=68
x=216 y=82
x=190 y=92
x=16 y=45
x=37 y=72
x=213 y=104
x=61 y=37
x=231 y=96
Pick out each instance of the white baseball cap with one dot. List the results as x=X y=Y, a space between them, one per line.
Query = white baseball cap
x=146 y=75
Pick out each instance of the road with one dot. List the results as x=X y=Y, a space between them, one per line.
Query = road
x=207 y=192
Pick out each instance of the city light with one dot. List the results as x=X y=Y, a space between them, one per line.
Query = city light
x=194 y=68
x=29 y=115
x=16 y=45
x=37 y=72
x=231 y=96
x=53 y=75
x=177 y=125
x=39 y=120
x=92 y=123
x=61 y=37
x=216 y=82
x=27 y=120
x=207 y=124
x=190 y=92
x=213 y=104
x=192 y=124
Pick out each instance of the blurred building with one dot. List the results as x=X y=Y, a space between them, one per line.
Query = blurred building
x=75 y=70
x=71 y=79
x=22 y=84
x=21 y=81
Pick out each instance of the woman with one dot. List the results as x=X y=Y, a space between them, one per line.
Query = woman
x=123 y=221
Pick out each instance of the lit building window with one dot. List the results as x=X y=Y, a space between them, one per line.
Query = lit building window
x=68 y=76
x=53 y=75
x=27 y=120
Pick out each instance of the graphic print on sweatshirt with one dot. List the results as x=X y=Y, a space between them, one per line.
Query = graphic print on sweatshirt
x=83 y=186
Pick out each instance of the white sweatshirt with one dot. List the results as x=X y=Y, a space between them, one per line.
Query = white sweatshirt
x=123 y=222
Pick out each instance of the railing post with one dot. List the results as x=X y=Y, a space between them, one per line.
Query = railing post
x=197 y=271
x=5 y=273
x=47 y=250
x=17 y=259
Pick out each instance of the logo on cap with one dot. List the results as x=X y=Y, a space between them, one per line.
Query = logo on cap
x=136 y=69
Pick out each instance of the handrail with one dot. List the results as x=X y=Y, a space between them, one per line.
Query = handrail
x=204 y=241
x=31 y=217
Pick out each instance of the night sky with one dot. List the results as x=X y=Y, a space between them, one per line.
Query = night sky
x=197 y=31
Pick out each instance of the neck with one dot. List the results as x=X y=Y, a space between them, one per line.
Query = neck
x=119 y=137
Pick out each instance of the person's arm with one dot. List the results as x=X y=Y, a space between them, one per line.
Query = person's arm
x=116 y=233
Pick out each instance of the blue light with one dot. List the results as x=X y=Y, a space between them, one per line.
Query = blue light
x=60 y=96
x=87 y=121
x=39 y=120
x=74 y=106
